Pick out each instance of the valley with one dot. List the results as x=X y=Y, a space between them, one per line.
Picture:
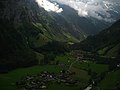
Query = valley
x=86 y=71
x=45 y=50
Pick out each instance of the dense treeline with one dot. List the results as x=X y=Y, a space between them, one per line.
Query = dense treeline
x=54 y=46
x=52 y=49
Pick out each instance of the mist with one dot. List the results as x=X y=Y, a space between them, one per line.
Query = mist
x=99 y=9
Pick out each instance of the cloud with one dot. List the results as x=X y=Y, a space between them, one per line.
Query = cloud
x=99 y=9
x=49 y=6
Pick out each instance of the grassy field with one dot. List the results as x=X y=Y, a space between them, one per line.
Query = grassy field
x=7 y=81
x=98 y=68
x=54 y=86
x=110 y=81
x=81 y=75
x=66 y=59
x=80 y=68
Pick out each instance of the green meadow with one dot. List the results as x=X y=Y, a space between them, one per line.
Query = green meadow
x=110 y=81
x=8 y=80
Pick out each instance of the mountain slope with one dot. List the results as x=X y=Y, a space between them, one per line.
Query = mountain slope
x=87 y=26
x=24 y=26
x=14 y=50
x=107 y=42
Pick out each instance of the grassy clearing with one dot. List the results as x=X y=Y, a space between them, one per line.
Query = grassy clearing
x=98 y=68
x=65 y=59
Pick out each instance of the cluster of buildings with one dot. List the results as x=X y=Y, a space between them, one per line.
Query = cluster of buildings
x=40 y=81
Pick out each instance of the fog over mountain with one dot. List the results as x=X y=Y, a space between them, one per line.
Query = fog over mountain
x=49 y=6
x=107 y=10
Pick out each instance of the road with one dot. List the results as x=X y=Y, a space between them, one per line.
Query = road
x=89 y=87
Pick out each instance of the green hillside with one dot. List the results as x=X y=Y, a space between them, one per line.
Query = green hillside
x=108 y=84
x=24 y=26
x=106 y=43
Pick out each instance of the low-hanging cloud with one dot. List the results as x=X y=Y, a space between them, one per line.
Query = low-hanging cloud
x=99 y=9
x=49 y=6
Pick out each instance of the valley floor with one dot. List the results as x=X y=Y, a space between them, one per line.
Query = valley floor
x=87 y=72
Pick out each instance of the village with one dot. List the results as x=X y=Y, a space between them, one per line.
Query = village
x=42 y=80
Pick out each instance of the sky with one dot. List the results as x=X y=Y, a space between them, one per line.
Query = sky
x=99 y=9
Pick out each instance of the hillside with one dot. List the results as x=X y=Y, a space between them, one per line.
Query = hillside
x=107 y=42
x=46 y=50
x=25 y=26
x=89 y=25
